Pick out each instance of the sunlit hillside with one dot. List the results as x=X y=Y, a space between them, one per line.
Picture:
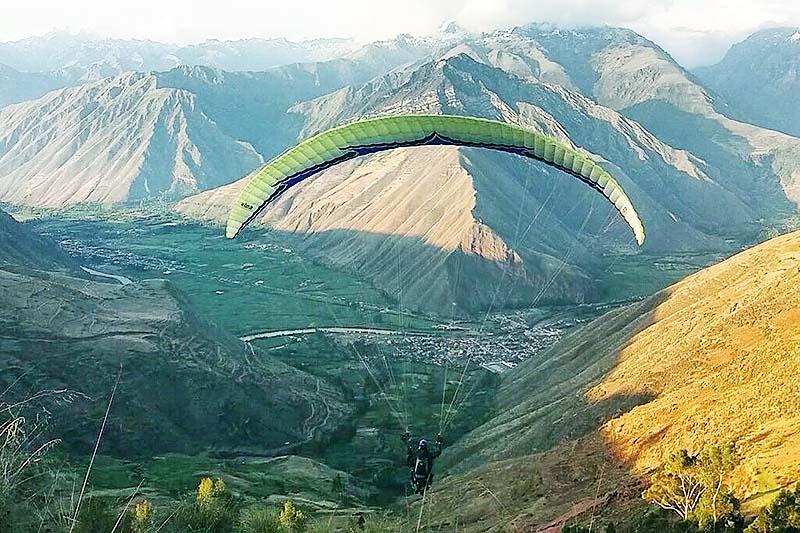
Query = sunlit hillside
x=713 y=359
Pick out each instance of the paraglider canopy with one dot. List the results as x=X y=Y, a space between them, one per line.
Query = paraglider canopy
x=385 y=133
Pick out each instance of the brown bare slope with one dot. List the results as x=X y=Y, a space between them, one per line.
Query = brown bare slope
x=117 y=139
x=404 y=220
x=713 y=359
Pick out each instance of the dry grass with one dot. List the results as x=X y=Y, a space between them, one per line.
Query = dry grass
x=713 y=359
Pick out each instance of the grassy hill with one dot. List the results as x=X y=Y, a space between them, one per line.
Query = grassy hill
x=713 y=359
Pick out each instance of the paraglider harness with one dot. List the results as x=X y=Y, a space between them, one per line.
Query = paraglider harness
x=420 y=461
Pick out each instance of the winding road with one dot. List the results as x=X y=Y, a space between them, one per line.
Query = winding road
x=309 y=331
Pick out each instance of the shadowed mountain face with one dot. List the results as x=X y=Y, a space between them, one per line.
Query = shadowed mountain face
x=760 y=79
x=18 y=86
x=713 y=359
x=184 y=385
x=252 y=106
x=21 y=247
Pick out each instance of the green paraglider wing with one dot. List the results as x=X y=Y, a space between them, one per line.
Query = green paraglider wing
x=375 y=135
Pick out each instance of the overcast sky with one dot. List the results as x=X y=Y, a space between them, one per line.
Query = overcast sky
x=693 y=31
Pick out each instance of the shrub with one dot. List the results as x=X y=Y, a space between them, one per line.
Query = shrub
x=210 y=490
x=291 y=518
x=258 y=520
x=781 y=516
x=142 y=520
x=96 y=516
x=210 y=512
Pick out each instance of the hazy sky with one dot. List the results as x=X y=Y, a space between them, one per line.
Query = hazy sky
x=694 y=31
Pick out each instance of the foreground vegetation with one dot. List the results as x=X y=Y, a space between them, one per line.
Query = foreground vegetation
x=214 y=509
x=688 y=494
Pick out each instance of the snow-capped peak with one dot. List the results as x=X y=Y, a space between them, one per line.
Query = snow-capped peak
x=451 y=27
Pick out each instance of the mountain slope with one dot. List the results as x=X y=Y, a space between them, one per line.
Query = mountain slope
x=713 y=359
x=21 y=247
x=118 y=139
x=18 y=86
x=185 y=385
x=624 y=71
x=760 y=79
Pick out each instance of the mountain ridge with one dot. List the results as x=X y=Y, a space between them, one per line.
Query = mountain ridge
x=759 y=77
x=118 y=139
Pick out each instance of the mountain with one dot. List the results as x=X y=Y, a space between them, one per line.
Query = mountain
x=760 y=79
x=18 y=86
x=461 y=209
x=261 y=54
x=713 y=359
x=21 y=247
x=32 y=67
x=135 y=136
x=184 y=384
x=86 y=57
x=118 y=139
x=83 y=57
x=624 y=71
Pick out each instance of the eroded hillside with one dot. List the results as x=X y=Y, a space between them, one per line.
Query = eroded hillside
x=117 y=139
x=184 y=384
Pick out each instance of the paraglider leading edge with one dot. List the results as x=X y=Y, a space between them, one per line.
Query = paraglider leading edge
x=364 y=137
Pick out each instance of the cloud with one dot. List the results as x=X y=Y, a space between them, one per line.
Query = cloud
x=694 y=31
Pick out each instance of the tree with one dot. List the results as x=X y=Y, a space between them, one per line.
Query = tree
x=677 y=486
x=693 y=486
x=716 y=463
x=338 y=487
x=781 y=516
